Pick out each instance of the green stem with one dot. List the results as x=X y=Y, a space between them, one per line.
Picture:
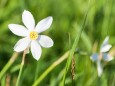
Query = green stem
x=48 y=70
x=21 y=67
x=36 y=72
x=74 y=48
x=9 y=63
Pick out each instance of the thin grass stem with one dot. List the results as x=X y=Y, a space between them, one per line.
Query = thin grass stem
x=8 y=65
x=21 y=68
x=49 y=69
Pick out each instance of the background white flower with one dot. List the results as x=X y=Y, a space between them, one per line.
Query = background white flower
x=103 y=55
x=32 y=39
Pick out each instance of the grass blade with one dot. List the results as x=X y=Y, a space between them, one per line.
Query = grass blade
x=74 y=48
x=49 y=69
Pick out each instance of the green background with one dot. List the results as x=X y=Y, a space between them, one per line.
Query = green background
x=68 y=17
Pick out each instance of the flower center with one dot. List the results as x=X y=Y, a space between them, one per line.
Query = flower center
x=33 y=35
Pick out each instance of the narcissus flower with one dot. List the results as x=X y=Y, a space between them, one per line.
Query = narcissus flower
x=31 y=34
x=102 y=55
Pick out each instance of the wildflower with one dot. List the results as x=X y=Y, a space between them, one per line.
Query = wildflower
x=102 y=55
x=31 y=34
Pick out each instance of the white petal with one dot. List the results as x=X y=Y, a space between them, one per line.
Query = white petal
x=45 y=41
x=18 y=30
x=94 y=57
x=105 y=48
x=99 y=68
x=107 y=57
x=22 y=44
x=105 y=42
x=36 y=50
x=28 y=20
x=44 y=24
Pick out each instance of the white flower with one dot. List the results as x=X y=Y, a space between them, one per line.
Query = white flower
x=102 y=55
x=31 y=34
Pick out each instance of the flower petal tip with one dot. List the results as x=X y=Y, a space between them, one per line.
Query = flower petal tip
x=10 y=25
x=36 y=58
x=51 y=17
x=25 y=11
x=16 y=50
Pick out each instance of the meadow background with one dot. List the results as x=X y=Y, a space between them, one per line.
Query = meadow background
x=68 y=17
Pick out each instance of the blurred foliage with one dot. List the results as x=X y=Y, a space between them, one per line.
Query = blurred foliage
x=67 y=18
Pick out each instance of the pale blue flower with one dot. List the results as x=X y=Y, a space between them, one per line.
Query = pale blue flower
x=102 y=55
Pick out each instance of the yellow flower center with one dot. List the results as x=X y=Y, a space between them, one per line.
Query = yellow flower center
x=33 y=35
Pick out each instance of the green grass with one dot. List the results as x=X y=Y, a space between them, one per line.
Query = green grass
x=68 y=16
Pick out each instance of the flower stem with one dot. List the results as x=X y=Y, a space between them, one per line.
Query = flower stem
x=21 y=67
x=9 y=63
x=48 y=70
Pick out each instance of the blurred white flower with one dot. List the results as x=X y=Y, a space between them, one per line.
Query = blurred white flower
x=102 y=55
x=31 y=34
